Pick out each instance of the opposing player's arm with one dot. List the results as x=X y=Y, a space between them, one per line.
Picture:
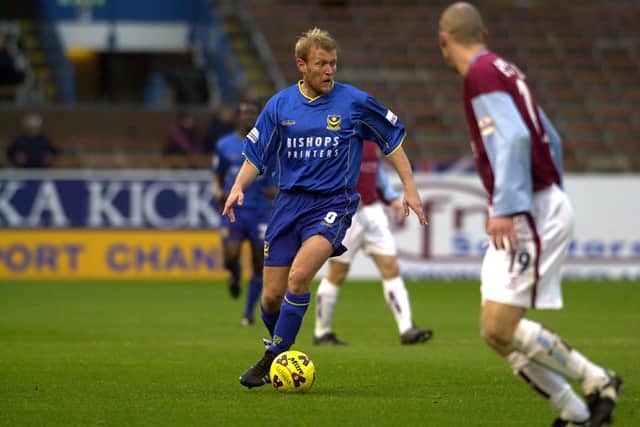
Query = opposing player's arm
x=554 y=140
x=390 y=195
x=507 y=143
x=411 y=197
x=384 y=186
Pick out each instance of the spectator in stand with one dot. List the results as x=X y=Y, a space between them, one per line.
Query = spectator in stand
x=189 y=85
x=185 y=140
x=222 y=123
x=10 y=74
x=32 y=148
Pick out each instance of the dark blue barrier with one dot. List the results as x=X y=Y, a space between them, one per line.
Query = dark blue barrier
x=117 y=199
x=123 y=10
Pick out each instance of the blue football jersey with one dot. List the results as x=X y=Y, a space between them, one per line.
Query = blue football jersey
x=227 y=160
x=315 y=144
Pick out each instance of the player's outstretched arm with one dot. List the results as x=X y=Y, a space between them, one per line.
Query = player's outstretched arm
x=411 y=199
x=246 y=175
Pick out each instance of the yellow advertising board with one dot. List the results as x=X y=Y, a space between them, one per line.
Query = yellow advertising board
x=110 y=254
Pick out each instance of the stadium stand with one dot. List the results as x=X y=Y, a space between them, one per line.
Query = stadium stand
x=97 y=138
x=16 y=72
x=583 y=57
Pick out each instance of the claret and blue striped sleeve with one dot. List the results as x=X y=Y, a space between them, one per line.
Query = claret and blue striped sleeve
x=507 y=143
x=555 y=142
x=384 y=185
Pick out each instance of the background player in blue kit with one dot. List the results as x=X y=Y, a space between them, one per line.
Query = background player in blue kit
x=312 y=133
x=251 y=218
x=530 y=224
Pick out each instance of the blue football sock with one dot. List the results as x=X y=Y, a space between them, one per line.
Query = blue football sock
x=292 y=311
x=235 y=272
x=255 y=289
x=269 y=319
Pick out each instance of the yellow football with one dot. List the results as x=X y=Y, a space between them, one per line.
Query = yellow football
x=292 y=371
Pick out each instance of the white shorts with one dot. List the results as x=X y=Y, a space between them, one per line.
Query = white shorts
x=530 y=277
x=369 y=231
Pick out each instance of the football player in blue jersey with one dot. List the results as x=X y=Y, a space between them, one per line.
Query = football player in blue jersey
x=312 y=133
x=251 y=218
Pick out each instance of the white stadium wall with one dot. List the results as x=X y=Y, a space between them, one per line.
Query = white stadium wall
x=606 y=239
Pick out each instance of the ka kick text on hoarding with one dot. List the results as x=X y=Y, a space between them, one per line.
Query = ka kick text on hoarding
x=606 y=239
x=107 y=202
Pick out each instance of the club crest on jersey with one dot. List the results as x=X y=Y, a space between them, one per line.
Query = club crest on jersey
x=334 y=121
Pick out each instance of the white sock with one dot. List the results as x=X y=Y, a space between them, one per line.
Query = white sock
x=326 y=298
x=397 y=297
x=551 y=386
x=549 y=350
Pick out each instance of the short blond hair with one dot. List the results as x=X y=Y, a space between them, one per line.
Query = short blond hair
x=317 y=38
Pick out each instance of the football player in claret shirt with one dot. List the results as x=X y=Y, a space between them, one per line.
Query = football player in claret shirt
x=251 y=217
x=369 y=231
x=312 y=133
x=517 y=153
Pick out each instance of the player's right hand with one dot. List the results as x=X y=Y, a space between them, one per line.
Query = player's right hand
x=236 y=196
x=502 y=233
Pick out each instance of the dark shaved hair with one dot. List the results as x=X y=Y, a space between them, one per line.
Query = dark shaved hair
x=464 y=23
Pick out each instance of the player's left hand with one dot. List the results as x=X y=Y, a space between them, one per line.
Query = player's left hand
x=412 y=201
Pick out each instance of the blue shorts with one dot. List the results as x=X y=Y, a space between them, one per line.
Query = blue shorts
x=300 y=215
x=250 y=224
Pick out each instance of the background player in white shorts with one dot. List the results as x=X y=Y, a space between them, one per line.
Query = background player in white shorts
x=518 y=156
x=369 y=231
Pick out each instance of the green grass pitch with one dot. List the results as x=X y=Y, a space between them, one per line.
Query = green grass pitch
x=99 y=353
